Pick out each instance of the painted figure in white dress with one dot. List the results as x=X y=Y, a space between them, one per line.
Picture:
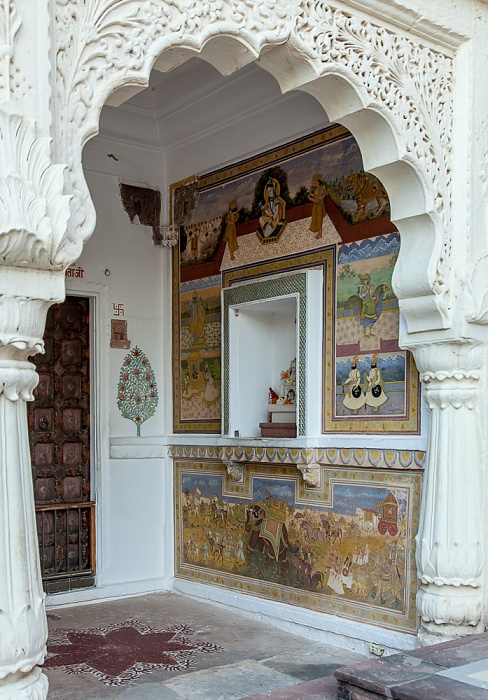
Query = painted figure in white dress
x=375 y=394
x=354 y=398
x=212 y=392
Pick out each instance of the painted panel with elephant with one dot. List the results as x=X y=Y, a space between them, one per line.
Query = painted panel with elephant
x=347 y=550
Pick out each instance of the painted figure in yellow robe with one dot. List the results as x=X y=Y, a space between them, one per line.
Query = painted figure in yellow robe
x=316 y=196
x=197 y=318
x=231 y=219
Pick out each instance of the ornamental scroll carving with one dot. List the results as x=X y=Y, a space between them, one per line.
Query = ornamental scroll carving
x=9 y=26
x=33 y=209
x=412 y=81
x=104 y=44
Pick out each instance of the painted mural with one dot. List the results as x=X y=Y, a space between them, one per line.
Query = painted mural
x=305 y=178
x=309 y=197
x=199 y=367
x=346 y=548
x=375 y=381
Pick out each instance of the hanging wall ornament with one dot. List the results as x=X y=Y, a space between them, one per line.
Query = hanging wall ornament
x=137 y=396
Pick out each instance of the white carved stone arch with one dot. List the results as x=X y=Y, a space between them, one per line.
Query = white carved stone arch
x=392 y=87
x=392 y=92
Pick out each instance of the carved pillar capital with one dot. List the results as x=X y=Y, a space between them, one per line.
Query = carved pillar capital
x=450 y=547
x=455 y=388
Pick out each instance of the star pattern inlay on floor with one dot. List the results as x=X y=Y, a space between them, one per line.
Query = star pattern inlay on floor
x=122 y=652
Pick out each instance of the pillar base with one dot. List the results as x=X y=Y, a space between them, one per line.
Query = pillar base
x=24 y=686
x=448 y=612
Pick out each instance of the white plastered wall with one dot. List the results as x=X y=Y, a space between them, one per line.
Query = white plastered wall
x=131 y=475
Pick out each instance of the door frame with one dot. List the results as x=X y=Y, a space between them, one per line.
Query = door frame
x=97 y=295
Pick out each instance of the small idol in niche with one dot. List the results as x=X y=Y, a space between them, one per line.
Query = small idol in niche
x=287 y=393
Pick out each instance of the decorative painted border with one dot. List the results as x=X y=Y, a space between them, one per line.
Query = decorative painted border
x=268 y=289
x=329 y=604
x=360 y=458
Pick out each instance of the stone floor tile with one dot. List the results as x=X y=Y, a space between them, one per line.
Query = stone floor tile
x=229 y=682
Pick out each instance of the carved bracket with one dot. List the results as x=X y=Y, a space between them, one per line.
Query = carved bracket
x=235 y=470
x=311 y=473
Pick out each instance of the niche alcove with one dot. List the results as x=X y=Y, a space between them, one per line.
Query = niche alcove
x=266 y=325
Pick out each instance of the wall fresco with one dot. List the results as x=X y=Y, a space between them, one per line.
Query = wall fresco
x=198 y=372
x=311 y=177
x=308 y=196
x=346 y=548
x=376 y=384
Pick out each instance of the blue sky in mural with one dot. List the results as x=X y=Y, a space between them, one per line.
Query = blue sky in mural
x=346 y=497
x=385 y=245
x=276 y=488
x=392 y=368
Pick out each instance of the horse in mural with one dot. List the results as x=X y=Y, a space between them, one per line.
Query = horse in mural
x=220 y=511
x=268 y=533
x=358 y=305
x=366 y=189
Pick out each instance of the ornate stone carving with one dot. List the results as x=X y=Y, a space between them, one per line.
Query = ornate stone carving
x=357 y=457
x=476 y=293
x=33 y=209
x=450 y=538
x=413 y=83
x=9 y=26
x=312 y=474
x=23 y=628
x=105 y=44
x=235 y=470
x=34 y=686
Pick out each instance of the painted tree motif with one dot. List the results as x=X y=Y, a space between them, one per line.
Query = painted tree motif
x=137 y=396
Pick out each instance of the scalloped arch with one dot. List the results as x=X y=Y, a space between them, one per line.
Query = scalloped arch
x=392 y=92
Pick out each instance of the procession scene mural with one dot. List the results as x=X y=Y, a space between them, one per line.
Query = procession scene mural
x=347 y=550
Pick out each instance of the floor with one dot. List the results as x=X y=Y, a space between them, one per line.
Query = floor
x=452 y=670
x=169 y=647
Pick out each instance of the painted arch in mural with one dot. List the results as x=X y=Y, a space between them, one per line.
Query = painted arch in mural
x=348 y=63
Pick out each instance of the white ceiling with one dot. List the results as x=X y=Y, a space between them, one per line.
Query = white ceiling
x=194 y=98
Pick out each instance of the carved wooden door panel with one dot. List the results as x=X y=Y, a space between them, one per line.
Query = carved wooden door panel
x=59 y=429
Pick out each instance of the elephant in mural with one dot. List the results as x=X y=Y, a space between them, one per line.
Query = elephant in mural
x=268 y=534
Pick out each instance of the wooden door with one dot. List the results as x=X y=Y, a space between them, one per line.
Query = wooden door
x=59 y=429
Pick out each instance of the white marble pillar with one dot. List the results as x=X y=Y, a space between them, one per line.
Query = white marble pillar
x=450 y=538
x=23 y=627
